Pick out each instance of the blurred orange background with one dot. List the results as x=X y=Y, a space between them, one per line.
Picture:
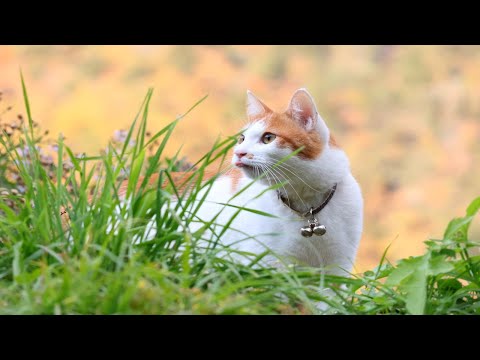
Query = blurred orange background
x=407 y=116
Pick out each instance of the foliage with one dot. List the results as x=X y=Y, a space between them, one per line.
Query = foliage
x=444 y=280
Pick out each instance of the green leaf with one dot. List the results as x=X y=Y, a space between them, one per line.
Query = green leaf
x=439 y=265
x=416 y=291
x=411 y=278
x=73 y=158
x=53 y=253
x=27 y=104
x=473 y=207
x=135 y=172
x=17 y=259
x=404 y=269
x=457 y=229
x=130 y=131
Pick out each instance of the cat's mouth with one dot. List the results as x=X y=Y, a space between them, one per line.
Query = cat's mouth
x=251 y=170
x=246 y=166
x=241 y=165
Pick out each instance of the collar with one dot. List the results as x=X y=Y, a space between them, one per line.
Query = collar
x=312 y=211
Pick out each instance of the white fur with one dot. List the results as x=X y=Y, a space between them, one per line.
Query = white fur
x=308 y=182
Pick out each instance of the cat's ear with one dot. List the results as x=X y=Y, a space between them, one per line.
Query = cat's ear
x=255 y=108
x=302 y=109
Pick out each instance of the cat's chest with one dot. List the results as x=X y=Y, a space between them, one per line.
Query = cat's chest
x=282 y=233
x=269 y=221
x=265 y=222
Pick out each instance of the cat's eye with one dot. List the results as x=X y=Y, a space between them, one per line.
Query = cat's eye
x=267 y=138
x=240 y=139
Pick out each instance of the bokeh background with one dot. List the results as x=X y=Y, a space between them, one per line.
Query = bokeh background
x=408 y=116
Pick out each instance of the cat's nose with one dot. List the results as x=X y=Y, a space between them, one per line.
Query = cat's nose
x=240 y=154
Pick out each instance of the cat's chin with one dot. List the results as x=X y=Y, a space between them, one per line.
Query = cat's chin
x=247 y=169
x=251 y=172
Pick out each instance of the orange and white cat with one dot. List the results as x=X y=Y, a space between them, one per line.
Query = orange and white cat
x=317 y=177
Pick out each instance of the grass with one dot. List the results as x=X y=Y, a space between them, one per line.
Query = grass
x=92 y=269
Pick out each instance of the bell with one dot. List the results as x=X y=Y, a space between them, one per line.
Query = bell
x=306 y=231
x=319 y=230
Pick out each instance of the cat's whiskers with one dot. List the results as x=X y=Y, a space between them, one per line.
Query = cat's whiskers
x=283 y=166
x=269 y=165
x=280 y=182
x=275 y=178
x=266 y=173
x=278 y=172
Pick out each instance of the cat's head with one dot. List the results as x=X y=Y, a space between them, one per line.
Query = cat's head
x=271 y=136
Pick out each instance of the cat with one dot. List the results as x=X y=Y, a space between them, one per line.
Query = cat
x=318 y=174
x=315 y=174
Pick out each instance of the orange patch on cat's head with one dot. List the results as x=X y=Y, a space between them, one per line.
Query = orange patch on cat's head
x=293 y=136
x=296 y=127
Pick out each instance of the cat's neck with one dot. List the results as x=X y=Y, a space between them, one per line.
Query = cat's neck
x=303 y=198
x=308 y=186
